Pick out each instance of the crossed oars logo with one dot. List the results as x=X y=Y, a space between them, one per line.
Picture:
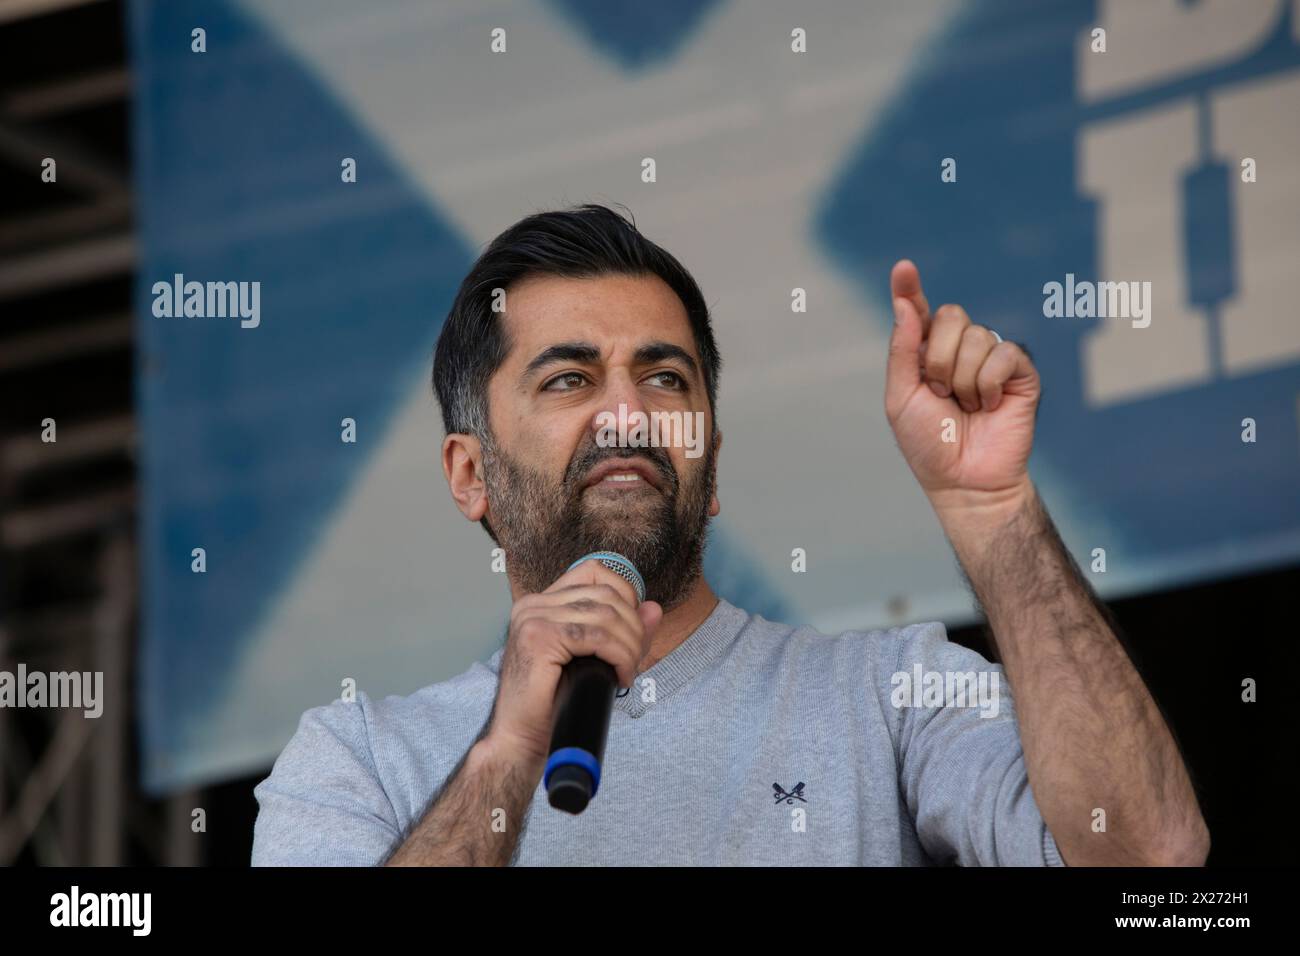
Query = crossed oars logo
x=792 y=796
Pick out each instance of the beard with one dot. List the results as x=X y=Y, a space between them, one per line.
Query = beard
x=544 y=526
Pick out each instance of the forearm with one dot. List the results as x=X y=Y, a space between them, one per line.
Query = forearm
x=478 y=818
x=1092 y=735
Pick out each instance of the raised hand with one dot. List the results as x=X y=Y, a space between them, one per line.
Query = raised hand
x=944 y=367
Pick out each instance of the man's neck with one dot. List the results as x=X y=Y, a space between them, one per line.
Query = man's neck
x=681 y=622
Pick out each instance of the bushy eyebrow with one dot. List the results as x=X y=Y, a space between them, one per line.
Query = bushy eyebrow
x=582 y=352
x=658 y=351
x=585 y=353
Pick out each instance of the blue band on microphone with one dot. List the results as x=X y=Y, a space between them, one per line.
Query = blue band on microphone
x=619 y=565
x=573 y=757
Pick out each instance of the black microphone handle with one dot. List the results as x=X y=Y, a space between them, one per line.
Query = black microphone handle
x=584 y=702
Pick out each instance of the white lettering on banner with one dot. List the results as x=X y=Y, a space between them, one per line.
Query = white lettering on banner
x=1135 y=167
x=1156 y=41
x=1259 y=323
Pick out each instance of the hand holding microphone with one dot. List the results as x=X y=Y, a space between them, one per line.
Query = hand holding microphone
x=590 y=617
x=583 y=705
x=589 y=612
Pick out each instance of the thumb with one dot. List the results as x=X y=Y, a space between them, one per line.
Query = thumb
x=903 y=373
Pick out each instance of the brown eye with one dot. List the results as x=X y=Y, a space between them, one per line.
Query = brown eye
x=566 y=377
x=678 y=382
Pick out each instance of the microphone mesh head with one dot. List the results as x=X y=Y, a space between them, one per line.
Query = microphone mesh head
x=619 y=565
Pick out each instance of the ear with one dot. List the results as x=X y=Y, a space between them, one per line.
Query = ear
x=714 y=505
x=462 y=464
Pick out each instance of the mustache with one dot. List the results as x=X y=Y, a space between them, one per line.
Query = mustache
x=658 y=459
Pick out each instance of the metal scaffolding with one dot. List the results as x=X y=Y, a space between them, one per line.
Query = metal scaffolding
x=68 y=786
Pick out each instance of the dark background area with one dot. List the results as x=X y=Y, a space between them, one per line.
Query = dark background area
x=68 y=513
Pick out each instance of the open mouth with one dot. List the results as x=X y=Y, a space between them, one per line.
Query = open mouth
x=623 y=475
x=622 y=481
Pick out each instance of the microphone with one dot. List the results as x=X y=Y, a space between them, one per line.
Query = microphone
x=583 y=703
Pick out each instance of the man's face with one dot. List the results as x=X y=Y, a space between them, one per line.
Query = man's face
x=580 y=347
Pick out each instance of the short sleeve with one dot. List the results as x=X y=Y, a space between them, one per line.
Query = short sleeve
x=323 y=803
x=961 y=766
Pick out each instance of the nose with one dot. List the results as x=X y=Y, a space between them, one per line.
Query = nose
x=619 y=400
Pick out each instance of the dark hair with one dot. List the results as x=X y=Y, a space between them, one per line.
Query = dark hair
x=580 y=242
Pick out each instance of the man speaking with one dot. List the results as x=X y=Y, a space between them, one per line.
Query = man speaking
x=733 y=740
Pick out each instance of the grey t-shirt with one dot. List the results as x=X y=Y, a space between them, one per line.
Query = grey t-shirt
x=753 y=743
